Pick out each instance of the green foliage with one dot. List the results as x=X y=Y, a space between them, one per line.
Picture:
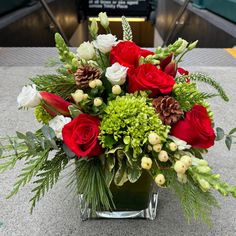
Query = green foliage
x=74 y=110
x=67 y=57
x=131 y=117
x=58 y=84
x=90 y=181
x=196 y=204
x=127 y=32
x=42 y=115
x=229 y=138
x=201 y=173
x=48 y=176
x=205 y=79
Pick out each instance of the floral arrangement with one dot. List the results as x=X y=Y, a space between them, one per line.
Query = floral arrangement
x=117 y=110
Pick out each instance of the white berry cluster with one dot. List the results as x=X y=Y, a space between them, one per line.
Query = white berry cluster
x=95 y=83
x=79 y=96
x=181 y=167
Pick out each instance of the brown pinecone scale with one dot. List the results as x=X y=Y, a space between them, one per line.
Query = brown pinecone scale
x=85 y=74
x=168 y=109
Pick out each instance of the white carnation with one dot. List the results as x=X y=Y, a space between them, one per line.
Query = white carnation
x=181 y=144
x=29 y=97
x=86 y=51
x=116 y=74
x=105 y=42
x=57 y=124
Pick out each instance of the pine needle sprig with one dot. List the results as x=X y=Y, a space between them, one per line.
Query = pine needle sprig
x=90 y=181
x=48 y=176
x=196 y=204
x=200 y=77
x=58 y=84
x=127 y=31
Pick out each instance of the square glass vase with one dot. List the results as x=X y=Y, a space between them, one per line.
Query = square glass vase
x=132 y=200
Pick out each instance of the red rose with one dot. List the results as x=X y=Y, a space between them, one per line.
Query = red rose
x=125 y=53
x=81 y=135
x=196 y=128
x=148 y=77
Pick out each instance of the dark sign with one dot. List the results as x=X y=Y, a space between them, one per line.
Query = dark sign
x=118 y=7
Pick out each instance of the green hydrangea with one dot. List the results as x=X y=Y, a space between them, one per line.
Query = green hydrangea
x=129 y=120
x=41 y=115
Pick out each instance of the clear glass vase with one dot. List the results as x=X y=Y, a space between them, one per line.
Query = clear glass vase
x=138 y=200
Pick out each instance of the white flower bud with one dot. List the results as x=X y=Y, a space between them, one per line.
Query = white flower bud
x=86 y=51
x=173 y=147
x=29 y=97
x=116 y=74
x=192 y=45
x=180 y=167
x=157 y=147
x=97 y=102
x=98 y=82
x=153 y=138
x=116 y=89
x=182 y=178
x=105 y=42
x=92 y=84
x=103 y=19
x=163 y=156
x=149 y=148
x=186 y=160
x=160 y=179
x=94 y=27
x=182 y=47
x=146 y=163
x=78 y=96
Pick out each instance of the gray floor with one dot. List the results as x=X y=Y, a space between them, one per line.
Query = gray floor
x=57 y=213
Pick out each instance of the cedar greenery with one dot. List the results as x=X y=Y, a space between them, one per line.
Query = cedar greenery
x=58 y=84
x=200 y=77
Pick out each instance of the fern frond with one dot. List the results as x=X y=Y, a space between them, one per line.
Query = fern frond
x=48 y=176
x=205 y=79
x=127 y=32
x=31 y=169
x=58 y=84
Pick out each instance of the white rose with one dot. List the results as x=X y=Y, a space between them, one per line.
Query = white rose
x=116 y=74
x=181 y=144
x=29 y=97
x=86 y=51
x=105 y=42
x=57 y=124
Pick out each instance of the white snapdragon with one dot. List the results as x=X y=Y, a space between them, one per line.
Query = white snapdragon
x=105 y=42
x=29 y=97
x=57 y=124
x=181 y=144
x=86 y=51
x=116 y=74
x=103 y=19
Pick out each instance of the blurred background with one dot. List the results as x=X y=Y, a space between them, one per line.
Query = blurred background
x=32 y=23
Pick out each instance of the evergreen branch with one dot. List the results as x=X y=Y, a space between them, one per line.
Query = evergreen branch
x=48 y=176
x=90 y=180
x=57 y=84
x=127 y=31
x=197 y=205
x=205 y=79
x=31 y=169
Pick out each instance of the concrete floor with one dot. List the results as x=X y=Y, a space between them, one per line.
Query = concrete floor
x=58 y=214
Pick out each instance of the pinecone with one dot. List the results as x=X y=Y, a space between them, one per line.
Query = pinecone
x=168 y=109
x=85 y=74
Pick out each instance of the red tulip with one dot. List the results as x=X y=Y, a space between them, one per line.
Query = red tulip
x=55 y=104
x=171 y=69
